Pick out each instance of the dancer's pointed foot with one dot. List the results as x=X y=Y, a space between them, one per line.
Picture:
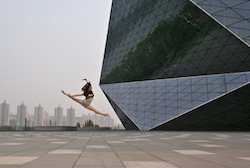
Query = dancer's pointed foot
x=105 y=115
x=66 y=93
x=63 y=92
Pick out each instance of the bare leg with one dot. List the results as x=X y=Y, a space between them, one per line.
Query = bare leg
x=96 y=111
x=77 y=100
x=89 y=107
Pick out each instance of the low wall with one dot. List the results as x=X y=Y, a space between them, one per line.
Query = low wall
x=55 y=128
x=93 y=128
x=69 y=128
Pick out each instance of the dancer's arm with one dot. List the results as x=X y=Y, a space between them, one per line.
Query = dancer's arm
x=78 y=95
x=86 y=80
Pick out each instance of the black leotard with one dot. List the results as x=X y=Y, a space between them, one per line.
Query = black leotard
x=88 y=94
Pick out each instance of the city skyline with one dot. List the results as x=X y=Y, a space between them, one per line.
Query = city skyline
x=50 y=112
x=42 y=118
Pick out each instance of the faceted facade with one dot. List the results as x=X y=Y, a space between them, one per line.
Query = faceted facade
x=179 y=64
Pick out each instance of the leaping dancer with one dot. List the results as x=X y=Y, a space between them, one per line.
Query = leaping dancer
x=88 y=93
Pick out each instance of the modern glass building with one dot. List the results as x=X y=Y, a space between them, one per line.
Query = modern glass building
x=179 y=64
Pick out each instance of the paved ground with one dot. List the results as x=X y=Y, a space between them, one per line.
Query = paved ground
x=124 y=149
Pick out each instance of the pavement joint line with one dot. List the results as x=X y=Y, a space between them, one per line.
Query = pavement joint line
x=114 y=151
x=22 y=150
x=81 y=153
x=148 y=152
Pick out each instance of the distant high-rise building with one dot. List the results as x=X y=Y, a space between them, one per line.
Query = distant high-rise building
x=64 y=120
x=71 y=121
x=21 y=114
x=58 y=116
x=99 y=120
x=4 y=114
x=46 y=121
x=111 y=122
x=13 y=120
x=30 y=122
x=38 y=118
x=106 y=122
x=51 y=119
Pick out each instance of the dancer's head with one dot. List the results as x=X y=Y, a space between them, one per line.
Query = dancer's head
x=86 y=87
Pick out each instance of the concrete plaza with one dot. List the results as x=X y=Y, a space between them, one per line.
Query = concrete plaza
x=124 y=149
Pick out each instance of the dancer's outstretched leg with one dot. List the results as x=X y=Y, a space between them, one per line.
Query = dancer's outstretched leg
x=96 y=111
x=88 y=107
x=77 y=100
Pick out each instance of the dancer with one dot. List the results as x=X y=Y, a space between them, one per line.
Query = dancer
x=88 y=93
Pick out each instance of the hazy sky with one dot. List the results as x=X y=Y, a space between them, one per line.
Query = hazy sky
x=50 y=45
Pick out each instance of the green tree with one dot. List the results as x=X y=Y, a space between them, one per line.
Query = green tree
x=6 y=128
x=89 y=123
x=78 y=124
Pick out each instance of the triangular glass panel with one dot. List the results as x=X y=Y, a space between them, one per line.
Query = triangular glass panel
x=212 y=95
x=236 y=78
x=215 y=79
x=241 y=32
x=231 y=87
x=232 y=3
x=171 y=111
x=184 y=81
x=160 y=117
x=243 y=5
x=213 y=3
x=227 y=13
x=197 y=118
x=161 y=83
x=160 y=89
x=199 y=1
x=242 y=12
x=242 y=125
x=217 y=88
x=244 y=25
x=211 y=112
x=202 y=89
x=185 y=104
x=161 y=103
x=159 y=109
x=212 y=10
x=243 y=97
x=226 y=106
x=185 y=89
x=169 y=116
x=149 y=122
x=149 y=109
x=186 y=97
x=198 y=80
x=196 y=103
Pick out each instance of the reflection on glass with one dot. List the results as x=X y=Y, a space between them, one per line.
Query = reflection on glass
x=163 y=46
